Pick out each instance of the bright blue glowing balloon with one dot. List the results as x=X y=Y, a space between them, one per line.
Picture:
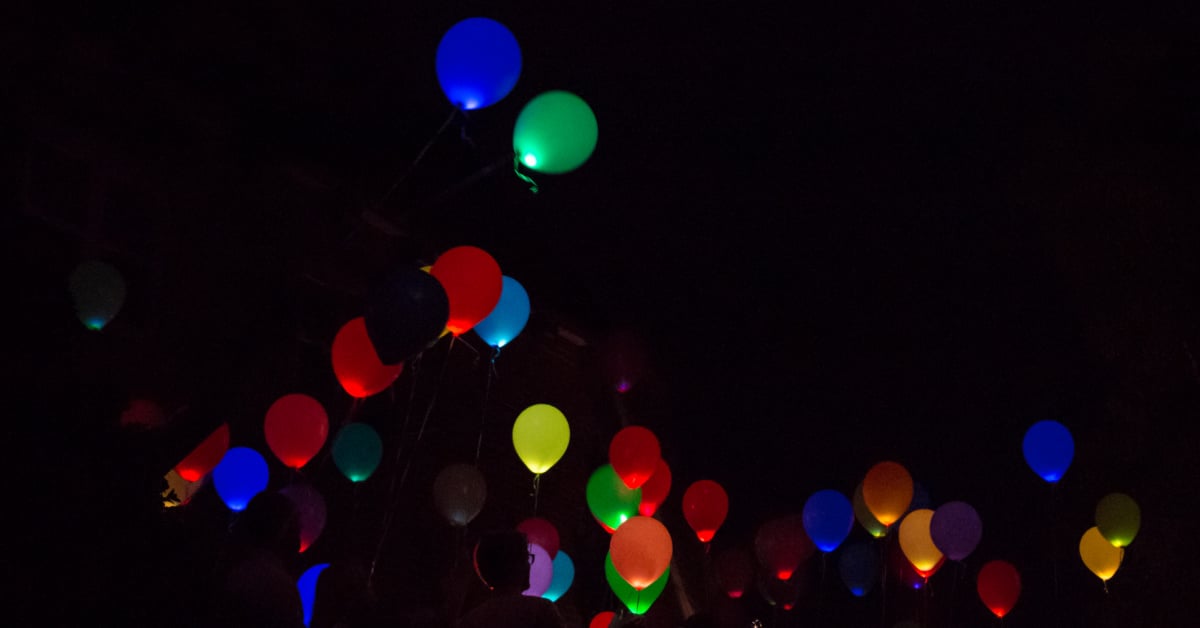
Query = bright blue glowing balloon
x=564 y=575
x=240 y=475
x=828 y=518
x=858 y=565
x=308 y=589
x=478 y=63
x=509 y=316
x=1049 y=449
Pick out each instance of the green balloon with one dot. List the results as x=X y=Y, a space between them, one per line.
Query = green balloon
x=555 y=133
x=1118 y=518
x=610 y=501
x=98 y=291
x=637 y=602
x=357 y=451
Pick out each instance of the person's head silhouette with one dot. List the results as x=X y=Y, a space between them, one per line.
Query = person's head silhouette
x=502 y=561
x=269 y=522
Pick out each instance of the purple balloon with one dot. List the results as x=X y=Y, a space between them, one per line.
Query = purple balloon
x=310 y=508
x=541 y=571
x=956 y=529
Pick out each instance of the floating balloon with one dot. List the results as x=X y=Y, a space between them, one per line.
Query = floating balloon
x=634 y=454
x=781 y=545
x=735 y=572
x=999 y=586
x=459 y=492
x=564 y=575
x=205 y=456
x=611 y=502
x=864 y=516
x=98 y=291
x=296 y=426
x=1118 y=519
x=540 y=436
x=541 y=571
x=638 y=602
x=602 y=620
x=473 y=283
x=357 y=450
x=478 y=63
x=828 y=518
x=888 y=491
x=541 y=532
x=509 y=316
x=1048 y=449
x=956 y=529
x=307 y=584
x=310 y=509
x=917 y=543
x=555 y=133
x=909 y=576
x=655 y=490
x=179 y=491
x=241 y=475
x=705 y=505
x=858 y=565
x=1099 y=555
x=405 y=314
x=641 y=551
x=357 y=365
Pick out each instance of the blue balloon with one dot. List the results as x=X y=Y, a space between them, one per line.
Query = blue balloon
x=1049 y=449
x=240 y=475
x=828 y=518
x=564 y=575
x=858 y=565
x=478 y=63
x=509 y=316
x=308 y=589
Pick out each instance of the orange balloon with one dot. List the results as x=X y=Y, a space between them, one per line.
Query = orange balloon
x=641 y=551
x=917 y=542
x=888 y=491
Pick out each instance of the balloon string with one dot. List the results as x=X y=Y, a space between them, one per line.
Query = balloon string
x=537 y=487
x=436 y=389
x=883 y=582
x=421 y=155
x=487 y=391
x=392 y=496
x=533 y=186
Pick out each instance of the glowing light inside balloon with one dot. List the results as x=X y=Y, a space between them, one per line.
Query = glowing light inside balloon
x=530 y=160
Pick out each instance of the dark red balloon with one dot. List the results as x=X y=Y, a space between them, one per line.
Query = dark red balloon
x=472 y=281
x=634 y=454
x=782 y=544
x=705 y=505
x=296 y=426
x=541 y=532
x=655 y=490
x=205 y=456
x=735 y=572
x=999 y=586
x=910 y=576
x=357 y=365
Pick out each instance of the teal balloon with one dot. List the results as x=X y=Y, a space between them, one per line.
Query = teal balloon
x=564 y=575
x=98 y=292
x=357 y=450
x=638 y=602
x=555 y=133
x=509 y=316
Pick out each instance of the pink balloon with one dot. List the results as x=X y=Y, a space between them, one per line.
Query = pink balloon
x=310 y=508
x=541 y=571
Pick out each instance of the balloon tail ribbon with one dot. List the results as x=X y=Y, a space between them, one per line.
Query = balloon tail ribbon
x=421 y=154
x=533 y=186
x=487 y=391
x=883 y=582
x=537 y=487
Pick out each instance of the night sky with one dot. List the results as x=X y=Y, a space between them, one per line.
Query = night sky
x=839 y=234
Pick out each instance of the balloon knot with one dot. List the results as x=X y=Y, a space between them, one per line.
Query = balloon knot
x=533 y=186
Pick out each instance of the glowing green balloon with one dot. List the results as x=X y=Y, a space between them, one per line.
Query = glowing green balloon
x=555 y=133
x=357 y=451
x=611 y=502
x=1118 y=518
x=637 y=602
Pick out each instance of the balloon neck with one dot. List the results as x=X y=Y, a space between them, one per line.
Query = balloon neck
x=533 y=186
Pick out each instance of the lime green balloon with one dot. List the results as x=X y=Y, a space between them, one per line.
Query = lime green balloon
x=611 y=502
x=555 y=133
x=637 y=602
x=540 y=436
x=1118 y=518
x=864 y=516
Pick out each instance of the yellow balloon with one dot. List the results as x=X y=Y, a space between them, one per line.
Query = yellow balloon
x=540 y=436
x=917 y=542
x=1099 y=555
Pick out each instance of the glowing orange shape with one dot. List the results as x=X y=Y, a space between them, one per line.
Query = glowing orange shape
x=888 y=491
x=641 y=551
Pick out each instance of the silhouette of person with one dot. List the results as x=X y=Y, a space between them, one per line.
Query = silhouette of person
x=344 y=598
x=502 y=561
x=256 y=589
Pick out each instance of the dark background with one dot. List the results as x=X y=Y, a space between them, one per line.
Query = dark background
x=838 y=234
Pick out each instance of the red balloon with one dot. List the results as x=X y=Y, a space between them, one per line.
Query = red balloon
x=910 y=576
x=655 y=490
x=735 y=572
x=205 y=456
x=541 y=532
x=356 y=365
x=782 y=544
x=472 y=281
x=602 y=620
x=634 y=454
x=705 y=505
x=999 y=586
x=296 y=427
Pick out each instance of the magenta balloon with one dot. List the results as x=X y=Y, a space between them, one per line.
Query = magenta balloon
x=956 y=529
x=541 y=571
x=310 y=509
